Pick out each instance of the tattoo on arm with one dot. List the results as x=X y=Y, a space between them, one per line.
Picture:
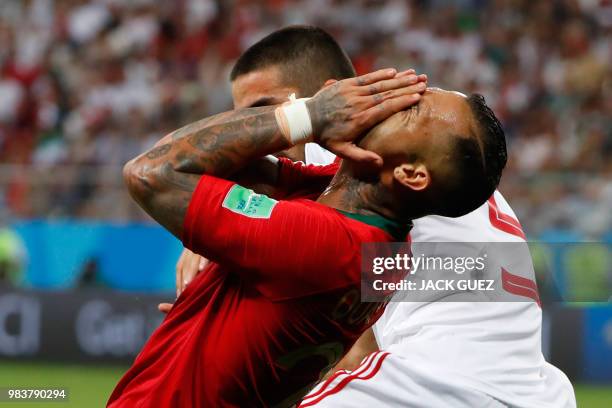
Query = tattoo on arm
x=163 y=179
x=158 y=151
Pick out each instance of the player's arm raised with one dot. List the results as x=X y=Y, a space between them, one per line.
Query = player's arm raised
x=163 y=179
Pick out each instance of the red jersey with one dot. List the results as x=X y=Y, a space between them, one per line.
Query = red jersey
x=300 y=180
x=278 y=306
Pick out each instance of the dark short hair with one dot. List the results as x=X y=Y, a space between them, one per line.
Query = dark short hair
x=480 y=160
x=307 y=56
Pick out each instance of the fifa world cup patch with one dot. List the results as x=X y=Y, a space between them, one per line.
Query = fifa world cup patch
x=247 y=202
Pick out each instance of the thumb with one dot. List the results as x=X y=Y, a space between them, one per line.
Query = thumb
x=348 y=150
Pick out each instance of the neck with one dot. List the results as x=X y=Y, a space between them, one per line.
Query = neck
x=347 y=193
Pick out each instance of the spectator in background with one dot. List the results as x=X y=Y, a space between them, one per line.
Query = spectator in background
x=85 y=84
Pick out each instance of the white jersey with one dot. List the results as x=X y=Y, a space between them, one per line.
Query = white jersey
x=459 y=354
x=492 y=347
x=315 y=154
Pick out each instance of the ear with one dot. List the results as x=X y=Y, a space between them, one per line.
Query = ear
x=415 y=176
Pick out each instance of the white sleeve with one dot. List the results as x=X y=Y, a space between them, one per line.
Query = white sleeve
x=315 y=154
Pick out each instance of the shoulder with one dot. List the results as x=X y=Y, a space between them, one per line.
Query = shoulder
x=491 y=221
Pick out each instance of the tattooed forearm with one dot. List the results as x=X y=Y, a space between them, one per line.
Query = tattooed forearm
x=213 y=120
x=184 y=182
x=158 y=151
x=162 y=179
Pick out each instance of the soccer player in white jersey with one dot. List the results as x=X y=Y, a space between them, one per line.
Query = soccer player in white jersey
x=457 y=354
x=436 y=354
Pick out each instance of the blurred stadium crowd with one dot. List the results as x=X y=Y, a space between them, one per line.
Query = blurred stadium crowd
x=87 y=84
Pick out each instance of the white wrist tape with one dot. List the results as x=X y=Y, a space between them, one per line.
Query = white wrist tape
x=294 y=120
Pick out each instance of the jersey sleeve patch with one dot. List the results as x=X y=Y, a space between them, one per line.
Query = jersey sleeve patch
x=246 y=202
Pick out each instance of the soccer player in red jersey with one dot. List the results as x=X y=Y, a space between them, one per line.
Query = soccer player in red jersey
x=280 y=304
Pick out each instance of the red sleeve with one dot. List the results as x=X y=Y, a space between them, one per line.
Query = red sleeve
x=285 y=248
x=296 y=179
